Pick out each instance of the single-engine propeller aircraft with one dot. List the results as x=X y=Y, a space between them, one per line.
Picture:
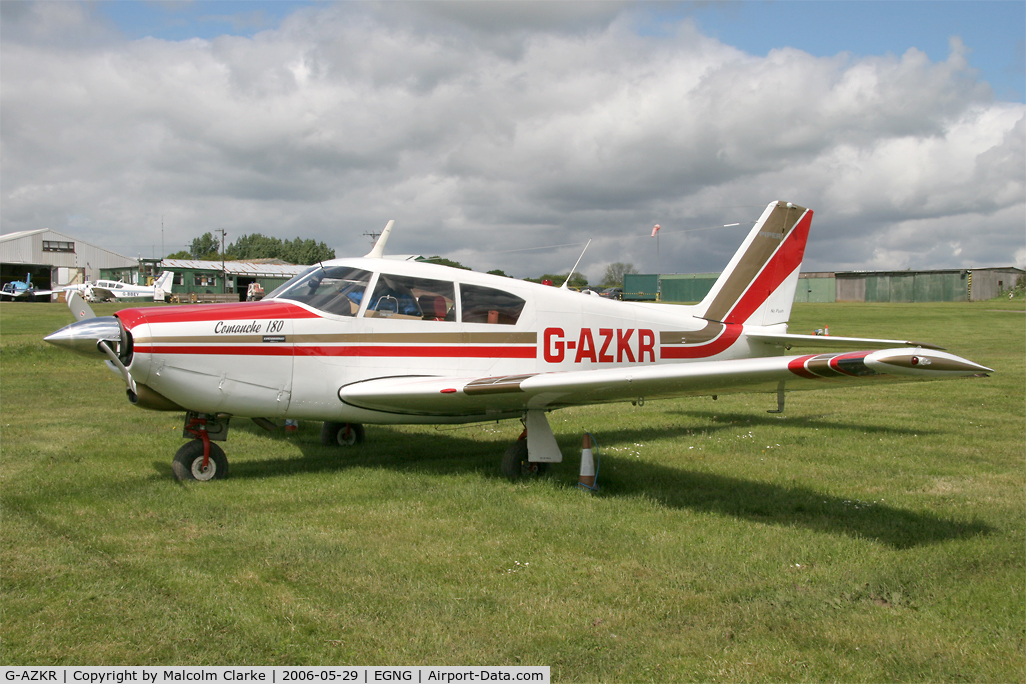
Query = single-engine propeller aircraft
x=376 y=340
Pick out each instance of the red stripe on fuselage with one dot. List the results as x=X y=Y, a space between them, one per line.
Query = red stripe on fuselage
x=423 y=352
x=729 y=335
x=241 y=311
x=351 y=351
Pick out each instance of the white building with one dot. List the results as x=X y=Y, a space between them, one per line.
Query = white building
x=55 y=259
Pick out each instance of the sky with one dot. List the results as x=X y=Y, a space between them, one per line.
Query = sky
x=508 y=134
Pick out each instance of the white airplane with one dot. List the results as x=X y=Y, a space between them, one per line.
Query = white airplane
x=112 y=290
x=374 y=340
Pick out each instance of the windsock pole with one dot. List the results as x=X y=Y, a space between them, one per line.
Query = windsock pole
x=587 y=477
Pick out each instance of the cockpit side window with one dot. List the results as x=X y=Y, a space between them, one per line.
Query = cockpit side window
x=412 y=299
x=333 y=289
x=487 y=305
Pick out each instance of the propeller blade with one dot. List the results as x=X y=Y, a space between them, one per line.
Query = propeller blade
x=79 y=308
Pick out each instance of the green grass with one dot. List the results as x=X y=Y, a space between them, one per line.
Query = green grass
x=869 y=534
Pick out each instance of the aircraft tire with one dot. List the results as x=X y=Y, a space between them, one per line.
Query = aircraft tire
x=188 y=462
x=516 y=466
x=342 y=434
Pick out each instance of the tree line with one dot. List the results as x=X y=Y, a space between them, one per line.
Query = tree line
x=299 y=251
x=257 y=246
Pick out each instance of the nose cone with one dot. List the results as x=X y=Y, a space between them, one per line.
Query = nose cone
x=83 y=336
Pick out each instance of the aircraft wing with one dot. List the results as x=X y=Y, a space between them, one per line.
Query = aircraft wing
x=468 y=396
x=832 y=342
x=26 y=293
x=102 y=294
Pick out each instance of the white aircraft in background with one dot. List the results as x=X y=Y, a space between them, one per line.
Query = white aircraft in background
x=113 y=290
x=374 y=340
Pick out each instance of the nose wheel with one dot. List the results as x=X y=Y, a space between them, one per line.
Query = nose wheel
x=191 y=464
x=201 y=459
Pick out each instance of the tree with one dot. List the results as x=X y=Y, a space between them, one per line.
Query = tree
x=298 y=251
x=499 y=272
x=615 y=273
x=205 y=247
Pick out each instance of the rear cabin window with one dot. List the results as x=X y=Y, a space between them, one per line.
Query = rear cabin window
x=412 y=299
x=334 y=289
x=485 y=305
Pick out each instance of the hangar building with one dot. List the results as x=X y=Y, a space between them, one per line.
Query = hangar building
x=55 y=259
x=949 y=285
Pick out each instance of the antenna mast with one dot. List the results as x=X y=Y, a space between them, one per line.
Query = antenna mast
x=566 y=283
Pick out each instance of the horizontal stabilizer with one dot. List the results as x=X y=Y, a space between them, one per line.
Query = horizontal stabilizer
x=832 y=342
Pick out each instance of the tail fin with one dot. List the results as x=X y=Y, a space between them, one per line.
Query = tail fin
x=162 y=286
x=758 y=285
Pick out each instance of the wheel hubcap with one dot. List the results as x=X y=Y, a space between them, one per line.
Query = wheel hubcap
x=200 y=473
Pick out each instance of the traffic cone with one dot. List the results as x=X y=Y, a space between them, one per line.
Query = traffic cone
x=587 y=477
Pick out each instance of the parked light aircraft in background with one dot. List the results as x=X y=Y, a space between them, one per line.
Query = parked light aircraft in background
x=113 y=290
x=21 y=289
x=374 y=340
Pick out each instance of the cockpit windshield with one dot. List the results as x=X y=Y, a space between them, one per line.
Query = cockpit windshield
x=287 y=285
x=334 y=289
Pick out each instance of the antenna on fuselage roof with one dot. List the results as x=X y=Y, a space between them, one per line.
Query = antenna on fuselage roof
x=378 y=251
x=566 y=283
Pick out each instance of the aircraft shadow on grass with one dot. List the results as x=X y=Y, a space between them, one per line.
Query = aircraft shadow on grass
x=723 y=421
x=450 y=453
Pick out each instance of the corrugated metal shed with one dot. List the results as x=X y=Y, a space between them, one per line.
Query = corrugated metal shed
x=205 y=277
x=250 y=269
x=949 y=285
x=816 y=287
x=987 y=283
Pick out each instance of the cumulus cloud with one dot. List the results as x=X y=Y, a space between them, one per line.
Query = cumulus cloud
x=485 y=128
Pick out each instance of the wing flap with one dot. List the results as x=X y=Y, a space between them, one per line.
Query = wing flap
x=466 y=396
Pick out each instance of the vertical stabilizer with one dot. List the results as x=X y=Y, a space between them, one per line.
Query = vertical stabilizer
x=378 y=250
x=162 y=286
x=164 y=281
x=758 y=285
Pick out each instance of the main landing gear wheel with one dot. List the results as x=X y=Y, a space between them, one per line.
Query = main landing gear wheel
x=341 y=434
x=515 y=464
x=188 y=462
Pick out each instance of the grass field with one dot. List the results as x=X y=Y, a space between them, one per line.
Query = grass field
x=871 y=534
